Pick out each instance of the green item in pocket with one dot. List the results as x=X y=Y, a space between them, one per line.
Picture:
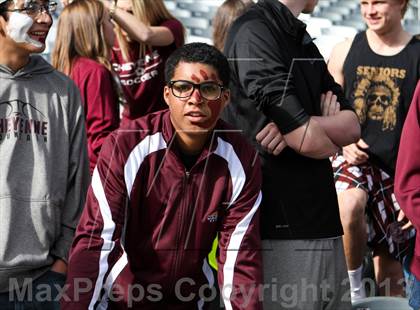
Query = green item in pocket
x=212 y=254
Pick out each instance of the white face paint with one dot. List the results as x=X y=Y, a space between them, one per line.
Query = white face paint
x=25 y=3
x=18 y=27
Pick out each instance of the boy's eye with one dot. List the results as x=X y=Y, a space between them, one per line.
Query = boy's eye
x=182 y=87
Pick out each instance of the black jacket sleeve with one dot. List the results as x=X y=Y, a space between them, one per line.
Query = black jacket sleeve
x=263 y=69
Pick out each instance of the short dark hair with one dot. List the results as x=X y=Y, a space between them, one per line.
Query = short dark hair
x=199 y=53
x=3 y=9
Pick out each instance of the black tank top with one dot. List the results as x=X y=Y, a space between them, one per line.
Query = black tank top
x=380 y=89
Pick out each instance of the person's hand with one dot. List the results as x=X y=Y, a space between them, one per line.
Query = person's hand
x=271 y=139
x=329 y=104
x=402 y=218
x=354 y=154
x=59 y=266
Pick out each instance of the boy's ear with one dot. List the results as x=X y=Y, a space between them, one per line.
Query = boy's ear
x=226 y=97
x=166 y=91
x=3 y=27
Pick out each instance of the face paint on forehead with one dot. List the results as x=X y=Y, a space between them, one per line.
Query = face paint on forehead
x=213 y=77
x=204 y=75
x=18 y=26
x=195 y=78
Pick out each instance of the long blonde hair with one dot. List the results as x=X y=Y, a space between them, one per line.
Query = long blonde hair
x=224 y=17
x=80 y=34
x=150 y=13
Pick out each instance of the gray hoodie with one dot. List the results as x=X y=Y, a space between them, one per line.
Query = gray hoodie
x=44 y=170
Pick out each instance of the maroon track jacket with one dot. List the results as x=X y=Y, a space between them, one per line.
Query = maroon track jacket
x=148 y=225
x=407 y=176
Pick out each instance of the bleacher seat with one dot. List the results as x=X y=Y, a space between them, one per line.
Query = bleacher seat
x=192 y=38
x=334 y=17
x=326 y=43
x=353 y=5
x=332 y=21
x=196 y=9
x=316 y=25
x=178 y=13
x=357 y=24
x=413 y=29
x=344 y=31
x=195 y=22
x=381 y=303
x=342 y=10
x=170 y=5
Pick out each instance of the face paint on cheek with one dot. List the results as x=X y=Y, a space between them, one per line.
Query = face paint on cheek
x=195 y=78
x=204 y=75
x=18 y=27
x=215 y=107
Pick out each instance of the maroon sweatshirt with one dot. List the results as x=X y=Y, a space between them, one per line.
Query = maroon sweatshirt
x=148 y=224
x=407 y=178
x=100 y=103
x=143 y=79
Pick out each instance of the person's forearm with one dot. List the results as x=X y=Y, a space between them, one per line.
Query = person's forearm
x=342 y=128
x=311 y=140
x=137 y=30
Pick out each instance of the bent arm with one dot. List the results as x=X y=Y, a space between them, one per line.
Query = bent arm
x=139 y=31
x=311 y=140
x=342 y=128
x=268 y=81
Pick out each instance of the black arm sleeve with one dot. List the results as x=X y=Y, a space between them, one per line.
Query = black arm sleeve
x=263 y=69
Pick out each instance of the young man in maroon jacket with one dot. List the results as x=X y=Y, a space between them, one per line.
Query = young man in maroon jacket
x=163 y=189
x=407 y=186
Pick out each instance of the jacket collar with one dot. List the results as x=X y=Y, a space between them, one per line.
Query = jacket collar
x=280 y=14
x=169 y=132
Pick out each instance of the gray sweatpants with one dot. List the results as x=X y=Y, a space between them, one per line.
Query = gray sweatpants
x=305 y=275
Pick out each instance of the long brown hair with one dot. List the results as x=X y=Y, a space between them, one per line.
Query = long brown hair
x=80 y=34
x=150 y=13
x=224 y=17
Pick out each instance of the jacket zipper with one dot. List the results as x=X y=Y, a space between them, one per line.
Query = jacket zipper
x=184 y=210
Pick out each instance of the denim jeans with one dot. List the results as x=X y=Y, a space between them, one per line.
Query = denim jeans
x=40 y=294
x=414 y=293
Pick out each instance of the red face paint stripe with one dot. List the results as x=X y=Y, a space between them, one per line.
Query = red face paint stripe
x=204 y=74
x=195 y=78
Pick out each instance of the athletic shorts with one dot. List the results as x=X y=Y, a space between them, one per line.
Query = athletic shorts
x=382 y=208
